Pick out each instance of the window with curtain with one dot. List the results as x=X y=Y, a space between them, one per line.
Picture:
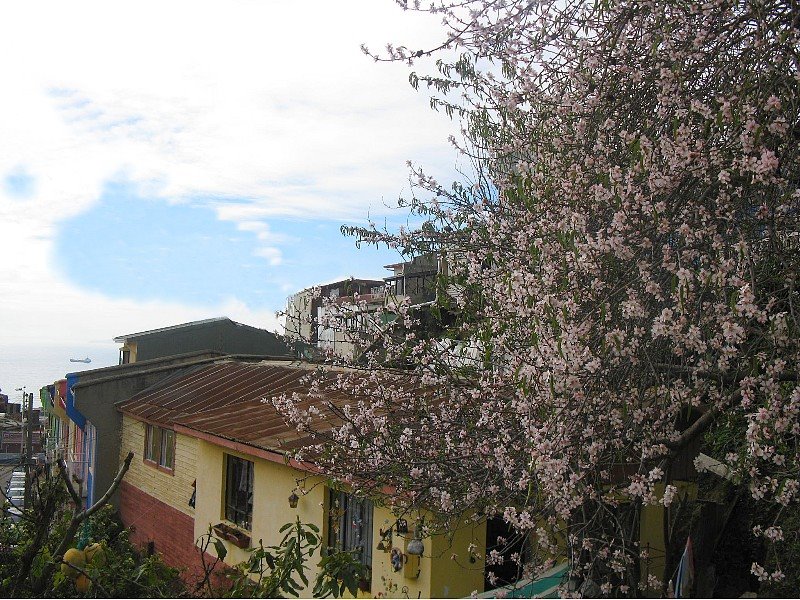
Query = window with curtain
x=239 y=491
x=350 y=524
x=159 y=446
x=167 y=455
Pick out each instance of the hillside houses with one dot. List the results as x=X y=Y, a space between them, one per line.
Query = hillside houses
x=193 y=403
x=342 y=318
x=85 y=426
x=209 y=451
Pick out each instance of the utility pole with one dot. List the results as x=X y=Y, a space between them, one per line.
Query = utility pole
x=25 y=448
x=29 y=451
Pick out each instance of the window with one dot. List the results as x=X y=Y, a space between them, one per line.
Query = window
x=124 y=356
x=239 y=491
x=159 y=446
x=350 y=525
x=167 y=456
x=152 y=442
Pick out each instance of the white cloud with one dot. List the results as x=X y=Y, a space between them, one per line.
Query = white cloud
x=231 y=99
x=272 y=254
x=267 y=101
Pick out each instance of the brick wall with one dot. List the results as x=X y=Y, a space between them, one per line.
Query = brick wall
x=170 y=530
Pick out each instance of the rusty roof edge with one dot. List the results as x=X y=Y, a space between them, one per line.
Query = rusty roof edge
x=156 y=404
x=260 y=452
x=255 y=359
x=187 y=429
x=314 y=366
x=270 y=454
x=192 y=363
x=135 y=367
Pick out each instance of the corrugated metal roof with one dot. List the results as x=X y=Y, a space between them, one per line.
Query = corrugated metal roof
x=225 y=400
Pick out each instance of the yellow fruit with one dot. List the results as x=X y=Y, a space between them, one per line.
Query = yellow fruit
x=95 y=554
x=74 y=557
x=82 y=583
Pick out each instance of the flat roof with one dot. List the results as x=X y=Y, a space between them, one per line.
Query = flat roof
x=127 y=336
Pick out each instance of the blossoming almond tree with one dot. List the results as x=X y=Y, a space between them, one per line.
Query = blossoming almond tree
x=623 y=268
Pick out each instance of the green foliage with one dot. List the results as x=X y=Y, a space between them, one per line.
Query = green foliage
x=125 y=572
x=10 y=539
x=281 y=570
x=121 y=573
x=339 y=571
x=273 y=571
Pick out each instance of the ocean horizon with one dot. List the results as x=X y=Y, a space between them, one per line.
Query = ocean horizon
x=34 y=366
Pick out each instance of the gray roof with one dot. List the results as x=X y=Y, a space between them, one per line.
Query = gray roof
x=123 y=338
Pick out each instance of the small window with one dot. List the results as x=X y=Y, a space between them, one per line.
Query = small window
x=152 y=442
x=239 y=491
x=350 y=525
x=167 y=458
x=124 y=356
x=159 y=446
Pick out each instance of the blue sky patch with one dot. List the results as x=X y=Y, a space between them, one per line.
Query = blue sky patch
x=131 y=246
x=19 y=184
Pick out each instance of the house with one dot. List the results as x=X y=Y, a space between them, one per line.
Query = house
x=12 y=410
x=415 y=280
x=10 y=439
x=220 y=334
x=212 y=453
x=90 y=434
x=64 y=438
x=15 y=422
x=309 y=311
x=54 y=408
x=68 y=436
x=96 y=424
x=343 y=317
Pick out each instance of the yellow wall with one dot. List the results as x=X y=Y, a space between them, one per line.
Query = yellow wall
x=651 y=533
x=273 y=482
x=458 y=578
x=439 y=575
x=131 y=347
x=173 y=489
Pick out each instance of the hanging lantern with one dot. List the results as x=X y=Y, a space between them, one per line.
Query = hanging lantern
x=293 y=499
x=416 y=547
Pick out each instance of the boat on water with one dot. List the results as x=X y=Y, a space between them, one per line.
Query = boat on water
x=81 y=360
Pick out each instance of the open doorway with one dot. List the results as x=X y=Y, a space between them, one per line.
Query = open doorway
x=510 y=545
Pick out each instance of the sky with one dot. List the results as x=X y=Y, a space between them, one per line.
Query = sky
x=163 y=162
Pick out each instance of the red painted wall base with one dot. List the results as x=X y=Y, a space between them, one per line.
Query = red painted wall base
x=170 y=531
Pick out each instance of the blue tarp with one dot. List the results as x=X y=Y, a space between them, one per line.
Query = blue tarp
x=545 y=586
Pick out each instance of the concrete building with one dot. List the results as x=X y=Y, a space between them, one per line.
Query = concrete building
x=414 y=280
x=220 y=334
x=308 y=323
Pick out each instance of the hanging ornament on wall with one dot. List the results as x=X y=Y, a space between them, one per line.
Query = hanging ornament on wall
x=397 y=559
